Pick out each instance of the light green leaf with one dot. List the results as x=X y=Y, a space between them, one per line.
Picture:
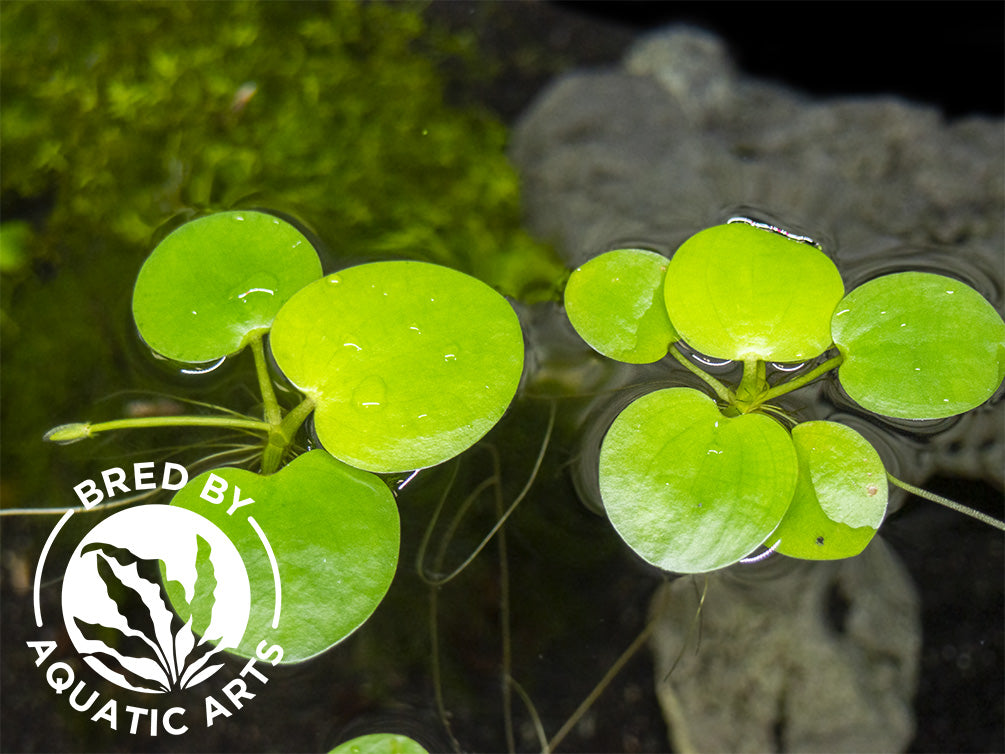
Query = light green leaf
x=334 y=532
x=379 y=743
x=919 y=346
x=689 y=489
x=408 y=363
x=615 y=302
x=840 y=497
x=743 y=293
x=218 y=281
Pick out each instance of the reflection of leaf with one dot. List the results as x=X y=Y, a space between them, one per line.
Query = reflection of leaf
x=118 y=647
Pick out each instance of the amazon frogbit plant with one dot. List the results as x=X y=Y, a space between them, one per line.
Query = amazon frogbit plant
x=403 y=365
x=696 y=481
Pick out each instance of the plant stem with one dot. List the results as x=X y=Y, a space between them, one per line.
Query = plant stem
x=599 y=689
x=753 y=381
x=281 y=435
x=273 y=414
x=958 y=507
x=798 y=382
x=724 y=393
x=253 y=425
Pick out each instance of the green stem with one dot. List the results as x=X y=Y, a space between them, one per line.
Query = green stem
x=281 y=435
x=71 y=432
x=798 y=382
x=958 y=507
x=724 y=393
x=273 y=414
x=753 y=380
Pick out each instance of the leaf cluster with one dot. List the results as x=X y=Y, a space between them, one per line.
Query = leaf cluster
x=403 y=365
x=694 y=483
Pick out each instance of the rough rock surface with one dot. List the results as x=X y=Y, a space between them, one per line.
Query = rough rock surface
x=822 y=659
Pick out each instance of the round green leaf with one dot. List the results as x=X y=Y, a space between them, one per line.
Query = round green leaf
x=334 y=533
x=408 y=363
x=379 y=743
x=218 y=281
x=841 y=494
x=919 y=346
x=741 y=293
x=689 y=489
x=615 y=302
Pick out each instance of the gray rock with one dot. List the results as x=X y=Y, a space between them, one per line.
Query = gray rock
x=775 y=671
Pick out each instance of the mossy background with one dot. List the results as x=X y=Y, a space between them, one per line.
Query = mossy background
x=365 y=123
x=123 y=120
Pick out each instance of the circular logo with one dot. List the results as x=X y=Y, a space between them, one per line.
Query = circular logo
x=152 y=595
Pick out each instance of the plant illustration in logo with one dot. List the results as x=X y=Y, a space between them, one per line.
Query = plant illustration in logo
x=118 y=611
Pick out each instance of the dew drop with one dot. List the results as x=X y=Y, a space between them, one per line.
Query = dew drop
x=370 y=394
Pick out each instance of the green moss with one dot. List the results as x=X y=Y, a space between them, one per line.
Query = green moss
x=127 y=115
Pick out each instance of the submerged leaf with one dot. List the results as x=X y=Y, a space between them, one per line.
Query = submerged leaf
x=615 y=302
x=919 y=346
x=689 y=489
x=379 y=743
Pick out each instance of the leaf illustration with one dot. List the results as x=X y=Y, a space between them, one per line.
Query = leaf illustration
x=141 y=601
x=138 y=647
x=128 y=601
x=184 y=641
x=200 y=677
x=130 y=656
x=200 y=655
x=204 y=598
